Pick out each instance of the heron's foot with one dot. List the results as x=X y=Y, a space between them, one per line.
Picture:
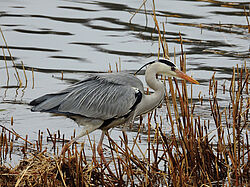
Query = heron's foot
x=106 y=164
x=100 y=152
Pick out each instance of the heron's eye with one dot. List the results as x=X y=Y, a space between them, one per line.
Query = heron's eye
x=172 y=68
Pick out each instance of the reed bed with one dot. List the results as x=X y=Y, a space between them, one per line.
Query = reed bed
x=191 y=155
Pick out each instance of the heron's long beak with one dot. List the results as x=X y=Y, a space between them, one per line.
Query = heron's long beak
x=182 y=75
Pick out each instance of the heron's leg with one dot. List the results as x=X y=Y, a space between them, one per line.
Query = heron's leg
x=99 y=147
x=100 y=152
x=67 y=145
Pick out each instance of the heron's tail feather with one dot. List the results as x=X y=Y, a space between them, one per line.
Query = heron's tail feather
x=47 y=103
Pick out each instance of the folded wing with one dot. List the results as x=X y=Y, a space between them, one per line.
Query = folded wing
x=96 y=97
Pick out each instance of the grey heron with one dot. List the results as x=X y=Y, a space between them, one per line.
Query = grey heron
x=103 y=101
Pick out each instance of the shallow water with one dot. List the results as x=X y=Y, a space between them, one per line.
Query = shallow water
x=81 y=36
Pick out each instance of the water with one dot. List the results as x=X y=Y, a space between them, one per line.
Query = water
x=81 y=36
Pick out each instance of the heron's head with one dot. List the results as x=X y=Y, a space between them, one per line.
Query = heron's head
x=167 y=68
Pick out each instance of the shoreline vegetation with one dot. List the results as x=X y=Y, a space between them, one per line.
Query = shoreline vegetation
x=192 y=155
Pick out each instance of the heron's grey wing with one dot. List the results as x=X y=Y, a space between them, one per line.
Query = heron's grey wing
x=95 y=98
x=99 y=98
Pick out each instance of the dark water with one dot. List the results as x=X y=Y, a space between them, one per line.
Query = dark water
x=81 y=36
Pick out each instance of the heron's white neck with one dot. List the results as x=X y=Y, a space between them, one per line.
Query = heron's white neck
x=152 y=101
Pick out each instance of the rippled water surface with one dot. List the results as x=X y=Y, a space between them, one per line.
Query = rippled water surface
x=82 y=36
